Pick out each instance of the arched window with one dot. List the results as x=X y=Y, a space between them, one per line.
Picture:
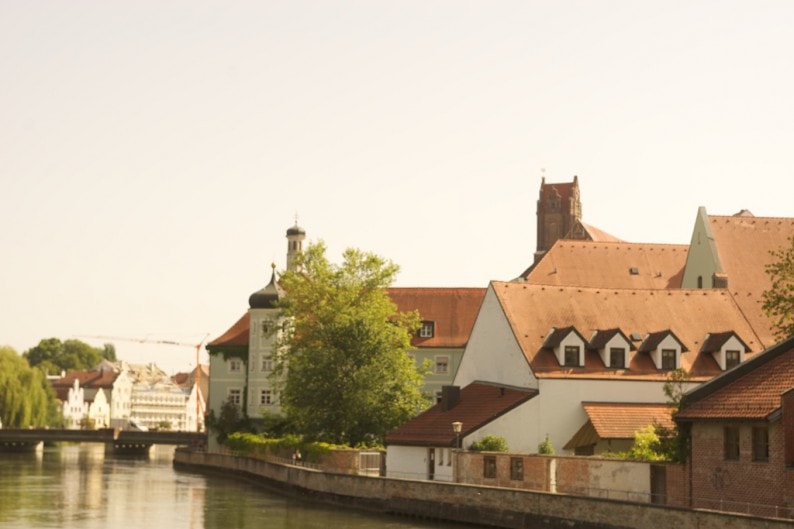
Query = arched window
x=700 y=281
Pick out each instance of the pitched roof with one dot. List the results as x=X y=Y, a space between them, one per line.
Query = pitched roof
x=610 y=265
x=618 y=421
x=533 y=310
x=479 y=404
x=90 y=380
x=236 y=335
x=598 y=235
x=743 y=243
x=453 y=311
x=750 y=391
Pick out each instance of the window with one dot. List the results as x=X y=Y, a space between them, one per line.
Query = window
x=760 y=444
x=440 y=458
x=572 y=355
x=267 y=363
x=427 y=330
x=731 y=443
x=439 y=396
x=731 y=359
x=700 y=281
x=236 y=396
x=668 y=359
x=617 y=357
x=265 y=397
x=517 y=468
x=489 y=467
x=235 y=365
x=442 y=365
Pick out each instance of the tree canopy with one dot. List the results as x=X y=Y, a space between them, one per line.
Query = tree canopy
x=52 y=355
x=26 y=396
x=779 y=299
x=346 y=375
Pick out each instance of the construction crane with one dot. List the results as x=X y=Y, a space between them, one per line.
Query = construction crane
x=197 y=346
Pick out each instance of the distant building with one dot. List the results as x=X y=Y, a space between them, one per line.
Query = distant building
x=157 y=402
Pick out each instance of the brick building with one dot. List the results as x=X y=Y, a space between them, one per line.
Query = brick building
x=741 y=429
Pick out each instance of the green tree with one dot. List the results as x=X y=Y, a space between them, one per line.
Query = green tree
x=229 y=420
x=53 y=356
x=546 y=447
x=345 y=374
x=647 y=446
x=778 y=301
x=26 y=396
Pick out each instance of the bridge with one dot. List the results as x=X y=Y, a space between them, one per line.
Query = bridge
x=23 y=439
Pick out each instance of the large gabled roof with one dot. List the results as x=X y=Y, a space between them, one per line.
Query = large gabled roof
x=610 y=265
x=750 y=391
x=744 y=243
x=533 y=311
x=479 y=404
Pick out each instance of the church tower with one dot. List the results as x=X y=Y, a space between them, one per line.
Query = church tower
x=295 y=237
x=559 y=212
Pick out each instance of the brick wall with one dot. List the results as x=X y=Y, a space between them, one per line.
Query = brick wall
x=494 y=507
x=743 y=485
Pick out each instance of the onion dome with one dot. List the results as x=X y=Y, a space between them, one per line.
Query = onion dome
x=296 y=230
x=267 y=297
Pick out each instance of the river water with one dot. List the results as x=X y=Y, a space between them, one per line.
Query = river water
x=79 y=487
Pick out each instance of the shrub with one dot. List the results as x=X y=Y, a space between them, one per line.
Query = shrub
x=545 y=447
x=489 y=443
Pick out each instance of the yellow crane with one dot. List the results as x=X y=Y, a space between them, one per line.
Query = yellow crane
x=197 y=346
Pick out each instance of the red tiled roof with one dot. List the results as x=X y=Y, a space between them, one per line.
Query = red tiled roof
x=743 y=244
x=750 y=391
x=87 y=379
x=599 y=235
x=618 y=421
x=533 y=310
x=479 y=404
x=610 y=265
x=453 y=311
x=236 y=335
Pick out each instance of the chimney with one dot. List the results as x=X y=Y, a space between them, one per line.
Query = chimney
x=450 y=396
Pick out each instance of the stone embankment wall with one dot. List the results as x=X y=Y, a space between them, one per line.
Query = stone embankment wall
x=479 y=505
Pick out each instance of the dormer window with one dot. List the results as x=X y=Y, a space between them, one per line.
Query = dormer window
x=427 y=330
x=613 y=346
x=572 y=356
x=617 y=357
x=664 y=348
x=726 y=347
x=567 y=345
x=669 y=359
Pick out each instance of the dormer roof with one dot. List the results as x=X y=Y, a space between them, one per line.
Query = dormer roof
x=602 y=337
x=715 y=341
x=652 y=341
x=556 y=336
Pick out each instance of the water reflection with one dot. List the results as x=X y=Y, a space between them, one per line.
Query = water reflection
x=81 y=487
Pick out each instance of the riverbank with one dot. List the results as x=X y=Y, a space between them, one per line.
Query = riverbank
x=470 y=504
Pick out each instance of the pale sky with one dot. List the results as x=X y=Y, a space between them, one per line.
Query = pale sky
x=153 y=153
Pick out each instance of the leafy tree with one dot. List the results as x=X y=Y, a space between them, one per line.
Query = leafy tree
x=489 y=443
x=229 y=420
x=53 y=356
x=545 y=447
x=344 y=371
x=26 y=396
x=646 y=445
x=778 y=301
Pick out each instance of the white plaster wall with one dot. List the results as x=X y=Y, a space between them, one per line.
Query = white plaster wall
x=615 y=341
x=407 y=462
x=99 y=410
x=608 y=478
x=571 y=340
x=492 y=352
x=733 y=344
x=702 y=257
x=121 y=397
